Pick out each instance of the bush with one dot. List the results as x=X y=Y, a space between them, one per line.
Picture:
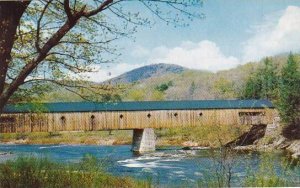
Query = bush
x=267 y=176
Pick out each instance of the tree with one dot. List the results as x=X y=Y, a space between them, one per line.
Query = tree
x=289 y=101
x=136 y=94
x=192 y=89
x=224 y=88
x=269 y=80
x=263 y=84
x=164 y=86
x=157 y=95
x=54 y=40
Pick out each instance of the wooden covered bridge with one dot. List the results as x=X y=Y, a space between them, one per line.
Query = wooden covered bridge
x=139 y=116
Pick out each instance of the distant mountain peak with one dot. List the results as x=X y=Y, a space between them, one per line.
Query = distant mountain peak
x=147 y=71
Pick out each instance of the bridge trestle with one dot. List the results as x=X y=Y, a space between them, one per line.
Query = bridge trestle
x=143 y=140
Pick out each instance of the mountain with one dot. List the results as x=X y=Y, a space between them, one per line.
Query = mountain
x=146 y=72
x=192 y=85
x=173 y=82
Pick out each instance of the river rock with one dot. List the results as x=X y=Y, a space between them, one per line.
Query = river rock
x=106 y=142
x=296 y=155
x=294 y=148
x=5 y=153
x=195 y=148
x=190 y=144
x=245 y=148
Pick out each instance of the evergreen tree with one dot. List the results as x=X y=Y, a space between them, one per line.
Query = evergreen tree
x=269 y=80
x=252 y=88
x=262 y=84
x=289 y=102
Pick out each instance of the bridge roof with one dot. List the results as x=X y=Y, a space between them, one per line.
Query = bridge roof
x=137 y=106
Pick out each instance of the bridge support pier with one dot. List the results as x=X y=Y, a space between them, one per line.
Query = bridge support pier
x=143 y=140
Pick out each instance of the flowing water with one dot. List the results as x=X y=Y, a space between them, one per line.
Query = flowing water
x=168 y=166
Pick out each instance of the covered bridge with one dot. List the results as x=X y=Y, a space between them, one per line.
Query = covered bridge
x=92 y=116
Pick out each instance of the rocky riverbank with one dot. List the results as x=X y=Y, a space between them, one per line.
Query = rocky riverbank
x=269 y=138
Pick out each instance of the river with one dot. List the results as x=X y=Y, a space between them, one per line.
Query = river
x=167 y=166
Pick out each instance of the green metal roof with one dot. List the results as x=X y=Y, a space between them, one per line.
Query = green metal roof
x=137 y=106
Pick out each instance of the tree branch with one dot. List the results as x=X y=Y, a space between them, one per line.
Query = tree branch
x=103 y=6
x=29 y=67
x=68 y=10
x=38 y=27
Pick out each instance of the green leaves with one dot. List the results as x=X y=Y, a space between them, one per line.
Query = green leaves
x=289 y=102
x=282 y=87
x=263 y=84
x=59 y=40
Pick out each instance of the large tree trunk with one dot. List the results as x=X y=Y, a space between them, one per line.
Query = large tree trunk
x=10 y=14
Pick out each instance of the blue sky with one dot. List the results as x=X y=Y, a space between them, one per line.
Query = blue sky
x=233 y=32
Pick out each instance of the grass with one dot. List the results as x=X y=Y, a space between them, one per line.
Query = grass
x=204 y=135
x=92 y=137
x=270 y=171
x=35 y=173
x=268 y=176
x=91 y=172
x=212 y=136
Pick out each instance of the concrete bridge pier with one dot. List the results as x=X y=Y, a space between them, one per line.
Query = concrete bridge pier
x=143 y=140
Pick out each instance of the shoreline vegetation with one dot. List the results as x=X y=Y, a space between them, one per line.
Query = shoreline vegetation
x=202 y=136
x=42 y=172
x=237 y=137
x=92 y=172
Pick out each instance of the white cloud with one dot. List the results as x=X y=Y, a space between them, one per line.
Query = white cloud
x=105 y=72
x=276 y=35
x=139 y=52
x=205 y=55
x=279 y=36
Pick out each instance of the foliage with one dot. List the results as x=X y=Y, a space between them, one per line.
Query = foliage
x=157 y=96
x=195 y=84
x=136 y=95
x=33 y=172
x=111 y=98
x=228 y=169
x=283 y=89
x=59 y=42
x=289 y=101
x=89 y=137
x=221 y=173
x=200 y=83
x=33 y=92
x=203 y=135
x=192 y=89
x=224 y=88
x=263 y=84
x=267 y=176
x=164 y=86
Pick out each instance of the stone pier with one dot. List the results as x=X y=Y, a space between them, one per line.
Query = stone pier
x=143 y=140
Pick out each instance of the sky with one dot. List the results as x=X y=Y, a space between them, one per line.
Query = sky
x=233 y=32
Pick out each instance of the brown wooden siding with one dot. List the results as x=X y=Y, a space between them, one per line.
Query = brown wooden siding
x=91 y=121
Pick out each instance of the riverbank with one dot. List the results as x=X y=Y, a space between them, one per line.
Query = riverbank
x=202 y=136
x=171 y=167
x=269 y=138
x=42 y=172
x=254 y=138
